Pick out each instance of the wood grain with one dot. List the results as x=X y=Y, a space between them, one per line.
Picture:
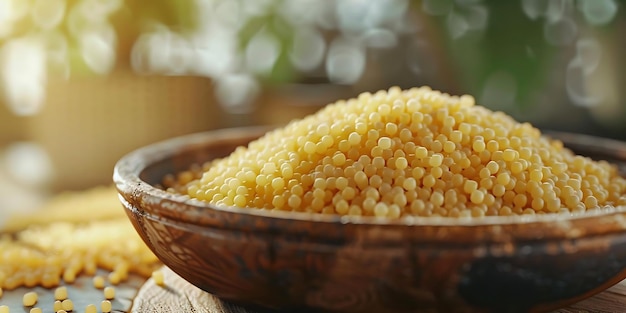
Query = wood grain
x=180 y=296
x=611 y=300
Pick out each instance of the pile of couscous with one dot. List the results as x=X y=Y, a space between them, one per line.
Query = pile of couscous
x=414 y=152
x=99 y=244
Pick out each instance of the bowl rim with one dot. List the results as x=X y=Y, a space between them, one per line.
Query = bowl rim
x=126 y=177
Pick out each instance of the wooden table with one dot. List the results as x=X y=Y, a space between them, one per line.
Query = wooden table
x=180 y=296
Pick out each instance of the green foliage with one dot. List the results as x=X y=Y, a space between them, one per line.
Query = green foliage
x=179 y=15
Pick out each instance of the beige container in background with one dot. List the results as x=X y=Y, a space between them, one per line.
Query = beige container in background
x=11 y=126
x=87 y=124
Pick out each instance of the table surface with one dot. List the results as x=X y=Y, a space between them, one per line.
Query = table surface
x=81 y=292
x=179 y=296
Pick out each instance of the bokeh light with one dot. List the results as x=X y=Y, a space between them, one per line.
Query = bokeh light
x=263 y=43
x=23 y=74
x=598 y=12
x=28 y=164
x=345 y=62
x=580 y=68
x=307 y=51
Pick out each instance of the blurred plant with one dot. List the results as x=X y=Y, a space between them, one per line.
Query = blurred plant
x=501 y=51
x=506 y=53
x=43 y=37
x=243 y=44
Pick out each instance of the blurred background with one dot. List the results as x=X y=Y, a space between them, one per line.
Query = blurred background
x=82 y=82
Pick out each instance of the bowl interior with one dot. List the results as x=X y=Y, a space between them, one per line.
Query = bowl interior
x=192 y=149
x=138 y=173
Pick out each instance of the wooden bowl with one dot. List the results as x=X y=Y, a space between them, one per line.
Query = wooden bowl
x=297 y=261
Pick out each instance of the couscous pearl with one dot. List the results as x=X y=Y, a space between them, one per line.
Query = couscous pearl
x=414 y=152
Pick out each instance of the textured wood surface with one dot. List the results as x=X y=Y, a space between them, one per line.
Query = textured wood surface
x=180 y=296
x=611 y=300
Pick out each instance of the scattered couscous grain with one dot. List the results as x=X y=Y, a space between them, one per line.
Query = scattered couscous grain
x=109 y=293
x=60 y=293
x=46 y=254
x=414 y=152
x=29 y=299
x=35 y=310
x=158 y=278
x=57 y=306
x=91 y=308
x=67 y=244
x=61 y=311
x=67 y=305
x=106 y=306
x=114 y=278
x=98 y=282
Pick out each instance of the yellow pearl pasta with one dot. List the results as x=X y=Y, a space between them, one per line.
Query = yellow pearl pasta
x=60 y=293
x=29 y=298
x=415 y=152
x=57 y=306
x=98 y=282
x=67 y=305
x=158 y=278
x=109 y=293
x=43 y=255
x=63 y=244
x=106 y=306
